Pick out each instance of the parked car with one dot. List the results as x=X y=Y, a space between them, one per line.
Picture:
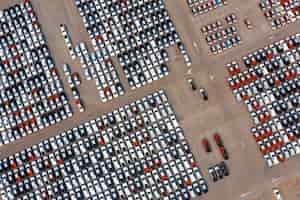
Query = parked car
x=206 y=145
x=218 y=140
x=192 y=84
x=28 y=60
x=218 y=171
x=222 y=149
x=203 y=93
x=111 y=150
x=248 y=23
x=277 y=194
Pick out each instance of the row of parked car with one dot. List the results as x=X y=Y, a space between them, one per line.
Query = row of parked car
x=268 y=67
x=135 y=152
x=137 y=33
x=67 y=39
x=202 y=91
x=219 y=171
x=219 y=142
x=100 y=68
x=199 y=7
x=222 y=34
x=31 y=94
x=74 y=81
x=270 y=87
x=73 y=78
x=279 y=13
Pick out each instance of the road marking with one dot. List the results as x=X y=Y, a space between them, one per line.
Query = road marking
x=245 y=194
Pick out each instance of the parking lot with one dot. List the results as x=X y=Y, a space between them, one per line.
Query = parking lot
x=249 y=176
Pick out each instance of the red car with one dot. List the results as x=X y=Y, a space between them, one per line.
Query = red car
x=206 y=145
x=218 y=140
x=220 y=144
x=224 y=153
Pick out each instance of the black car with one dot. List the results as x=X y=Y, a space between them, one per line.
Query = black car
x=203 y=93
x=192 y=83
x=224 y=168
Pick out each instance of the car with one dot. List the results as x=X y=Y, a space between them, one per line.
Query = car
x=224 y=153
x=213 y=174
x=277 y=194
x=218 y=171
x=231 y=18
x=222 y=149
x=33 y=49
x=206 y=145
x=224 y=168
x=192 y=84
x=218 y=139
x=102 y=158
x=248 y=23
x=203 y=93
x=204 y=186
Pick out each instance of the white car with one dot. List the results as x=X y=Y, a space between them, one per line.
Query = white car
x=296 y=146
x=277 y=194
